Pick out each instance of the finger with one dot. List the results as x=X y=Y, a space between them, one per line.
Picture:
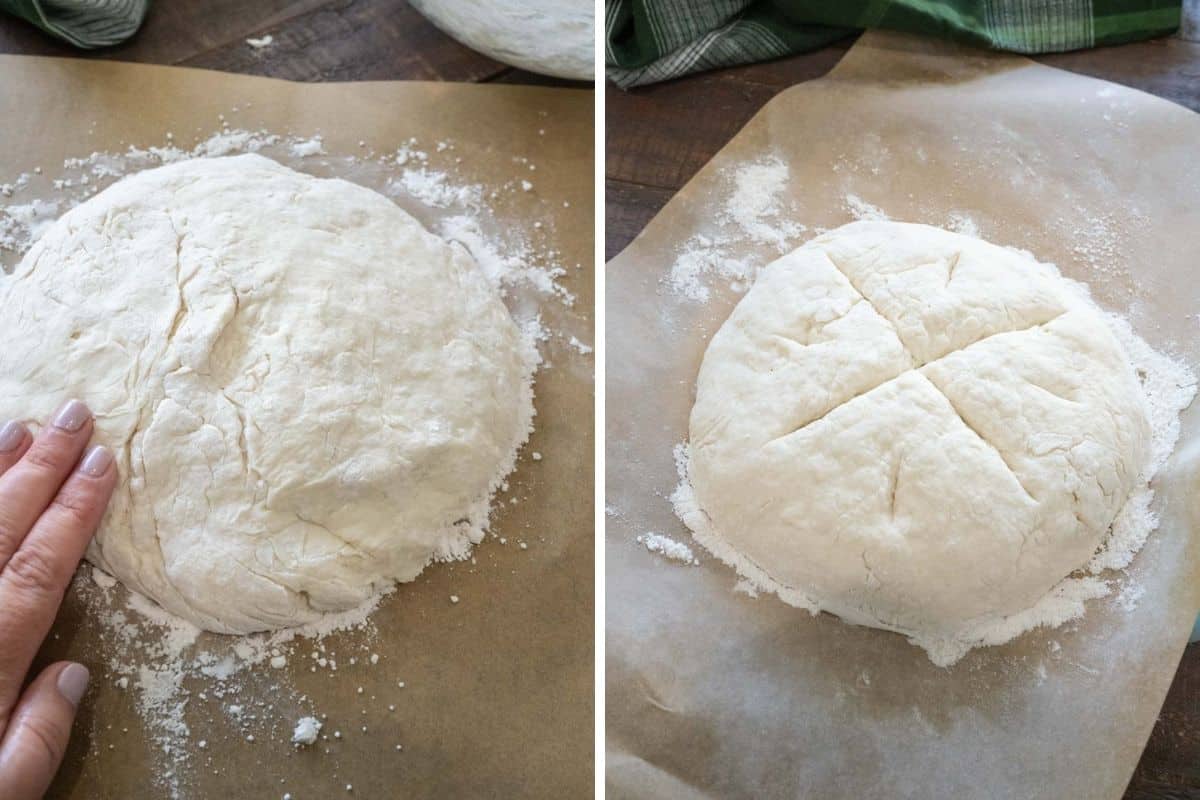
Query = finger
x=34 y=580
x=39 y=729
x=30 y=484
x=14 y=441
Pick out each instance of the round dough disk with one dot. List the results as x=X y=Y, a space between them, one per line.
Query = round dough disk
x=309 y=396
x=913 y=429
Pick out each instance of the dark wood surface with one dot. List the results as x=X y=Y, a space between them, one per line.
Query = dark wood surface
x=314 y=40
x=658 y=137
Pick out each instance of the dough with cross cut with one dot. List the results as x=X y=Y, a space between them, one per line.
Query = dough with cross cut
x=913 y=429
x=308 y=394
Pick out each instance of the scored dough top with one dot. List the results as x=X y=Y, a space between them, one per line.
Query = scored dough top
x=915 y=429
x=308 y=394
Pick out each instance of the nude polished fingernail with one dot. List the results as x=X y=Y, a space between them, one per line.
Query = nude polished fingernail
x=72 y=416
x=96 y=462
x=11 y=435
x=72 y=682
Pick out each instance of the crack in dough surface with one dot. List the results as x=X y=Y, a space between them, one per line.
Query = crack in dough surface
x=948 y=433
x=309 y=395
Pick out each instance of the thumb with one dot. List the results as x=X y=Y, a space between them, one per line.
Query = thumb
x=37 y=734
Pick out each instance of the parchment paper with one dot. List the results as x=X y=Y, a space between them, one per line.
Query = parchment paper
x=714 y=694
x=498 y=696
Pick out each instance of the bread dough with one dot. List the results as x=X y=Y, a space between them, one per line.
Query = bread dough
x=913 y=429
x=549 y=37
x=308 y=394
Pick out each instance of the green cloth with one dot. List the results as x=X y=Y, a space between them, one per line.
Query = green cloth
x=655 y=40
x=83 y=23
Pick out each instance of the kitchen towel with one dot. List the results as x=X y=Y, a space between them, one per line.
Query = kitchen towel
x=647 y=41
x=83 y=23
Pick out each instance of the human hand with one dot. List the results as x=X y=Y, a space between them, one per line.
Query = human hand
x=52 y=497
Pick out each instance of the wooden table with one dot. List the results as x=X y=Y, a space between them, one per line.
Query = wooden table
x=658 y=137
x=314 y=40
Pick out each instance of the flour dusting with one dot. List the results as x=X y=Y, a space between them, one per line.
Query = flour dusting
x=1169 y=386
x=860 y=209
x=510 y=267
x=435 y=188
x=756 y=205
x=756 y=210
x=961 y=223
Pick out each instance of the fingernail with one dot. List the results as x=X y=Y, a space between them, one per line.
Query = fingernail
x=72 y=682
x=96 y=462
x=72 y=416
x=11 y=435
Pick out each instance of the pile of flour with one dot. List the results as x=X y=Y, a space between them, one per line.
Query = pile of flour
x=180 y=679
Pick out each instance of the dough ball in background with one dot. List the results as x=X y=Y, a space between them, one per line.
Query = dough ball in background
x=913 y=429
x=549 y=37
x=308 y=394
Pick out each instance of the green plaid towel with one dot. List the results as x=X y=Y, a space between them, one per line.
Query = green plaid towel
x=655 y=40
x=83 y=23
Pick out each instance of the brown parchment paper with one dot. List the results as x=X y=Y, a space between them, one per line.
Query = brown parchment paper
x=498 y=696
x=713 y=694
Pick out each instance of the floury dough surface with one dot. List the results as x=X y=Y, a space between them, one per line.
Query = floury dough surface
x=915 y=430
x=309 y=395
x=550 y=37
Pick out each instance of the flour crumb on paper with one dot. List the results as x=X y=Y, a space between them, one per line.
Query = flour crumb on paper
x=667 y=547
x=862 y=210
x=308 y=147
x=178 y=679
x=409 y=152
x=306 y=730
